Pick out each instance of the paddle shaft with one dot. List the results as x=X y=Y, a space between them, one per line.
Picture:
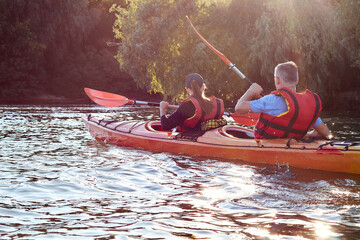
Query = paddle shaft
x=107 y=99
x=238 y=72
x=156 y=104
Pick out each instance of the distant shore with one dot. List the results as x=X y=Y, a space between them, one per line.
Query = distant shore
x=52 y=99
x=346 y=101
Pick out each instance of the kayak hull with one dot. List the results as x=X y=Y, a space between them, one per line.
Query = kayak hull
x=229 y=142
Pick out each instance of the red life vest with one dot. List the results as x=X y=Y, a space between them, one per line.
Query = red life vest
x=200 y=115
x=303 y=110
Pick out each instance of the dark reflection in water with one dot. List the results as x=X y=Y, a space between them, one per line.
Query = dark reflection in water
x=56 y=182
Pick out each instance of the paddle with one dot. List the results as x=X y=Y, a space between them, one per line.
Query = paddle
x=246 y=119
x=114 y=100
x=222 y=56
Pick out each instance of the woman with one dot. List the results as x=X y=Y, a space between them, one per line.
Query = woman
x=193 y=110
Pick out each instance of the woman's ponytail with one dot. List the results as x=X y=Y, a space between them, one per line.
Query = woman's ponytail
x=205 y=103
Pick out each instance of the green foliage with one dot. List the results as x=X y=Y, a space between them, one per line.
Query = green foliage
x=21 y=54
x=159 y=48
x=57 y=48
x=299 y=32
x=152 y=38
x=347 y=22
x=310 y=33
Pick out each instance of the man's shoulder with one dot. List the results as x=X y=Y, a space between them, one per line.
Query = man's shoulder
x=271 y=98
x=270 y=104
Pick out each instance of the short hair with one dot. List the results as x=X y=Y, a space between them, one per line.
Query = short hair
x=287 y=72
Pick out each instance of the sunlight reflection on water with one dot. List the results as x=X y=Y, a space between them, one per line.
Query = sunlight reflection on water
x=57 y=182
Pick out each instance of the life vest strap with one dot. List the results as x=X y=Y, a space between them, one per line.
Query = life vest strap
x=218 y=108
x=296 y=113
x=317 y=110
x=280 y=127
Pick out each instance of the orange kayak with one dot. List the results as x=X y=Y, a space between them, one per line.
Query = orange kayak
x=230 y=142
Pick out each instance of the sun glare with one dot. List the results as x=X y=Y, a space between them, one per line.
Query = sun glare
x=322 y=230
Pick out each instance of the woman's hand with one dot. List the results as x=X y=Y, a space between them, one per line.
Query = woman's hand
x=163 y=107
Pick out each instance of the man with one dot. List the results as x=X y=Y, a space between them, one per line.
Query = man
x=284 y=113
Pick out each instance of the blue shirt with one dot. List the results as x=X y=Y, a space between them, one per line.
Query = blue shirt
x=273 y=105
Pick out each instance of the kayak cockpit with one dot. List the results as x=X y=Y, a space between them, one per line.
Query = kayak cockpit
x=233 y=131
x=154 y=126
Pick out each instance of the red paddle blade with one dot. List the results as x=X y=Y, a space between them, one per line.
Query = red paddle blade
x=222 y=56
x=106 y=99
x=248 y=119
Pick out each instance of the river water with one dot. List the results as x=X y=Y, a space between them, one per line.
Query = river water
x=56 y=182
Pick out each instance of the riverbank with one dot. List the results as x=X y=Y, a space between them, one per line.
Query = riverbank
x=44 y=99
x=346 y=101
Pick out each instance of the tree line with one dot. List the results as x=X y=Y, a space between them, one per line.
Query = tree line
x=57 y=48
x=50 y=50
x=159 y=48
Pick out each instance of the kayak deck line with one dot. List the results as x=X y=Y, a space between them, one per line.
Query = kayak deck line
x=345 y=144
x=231 y=142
